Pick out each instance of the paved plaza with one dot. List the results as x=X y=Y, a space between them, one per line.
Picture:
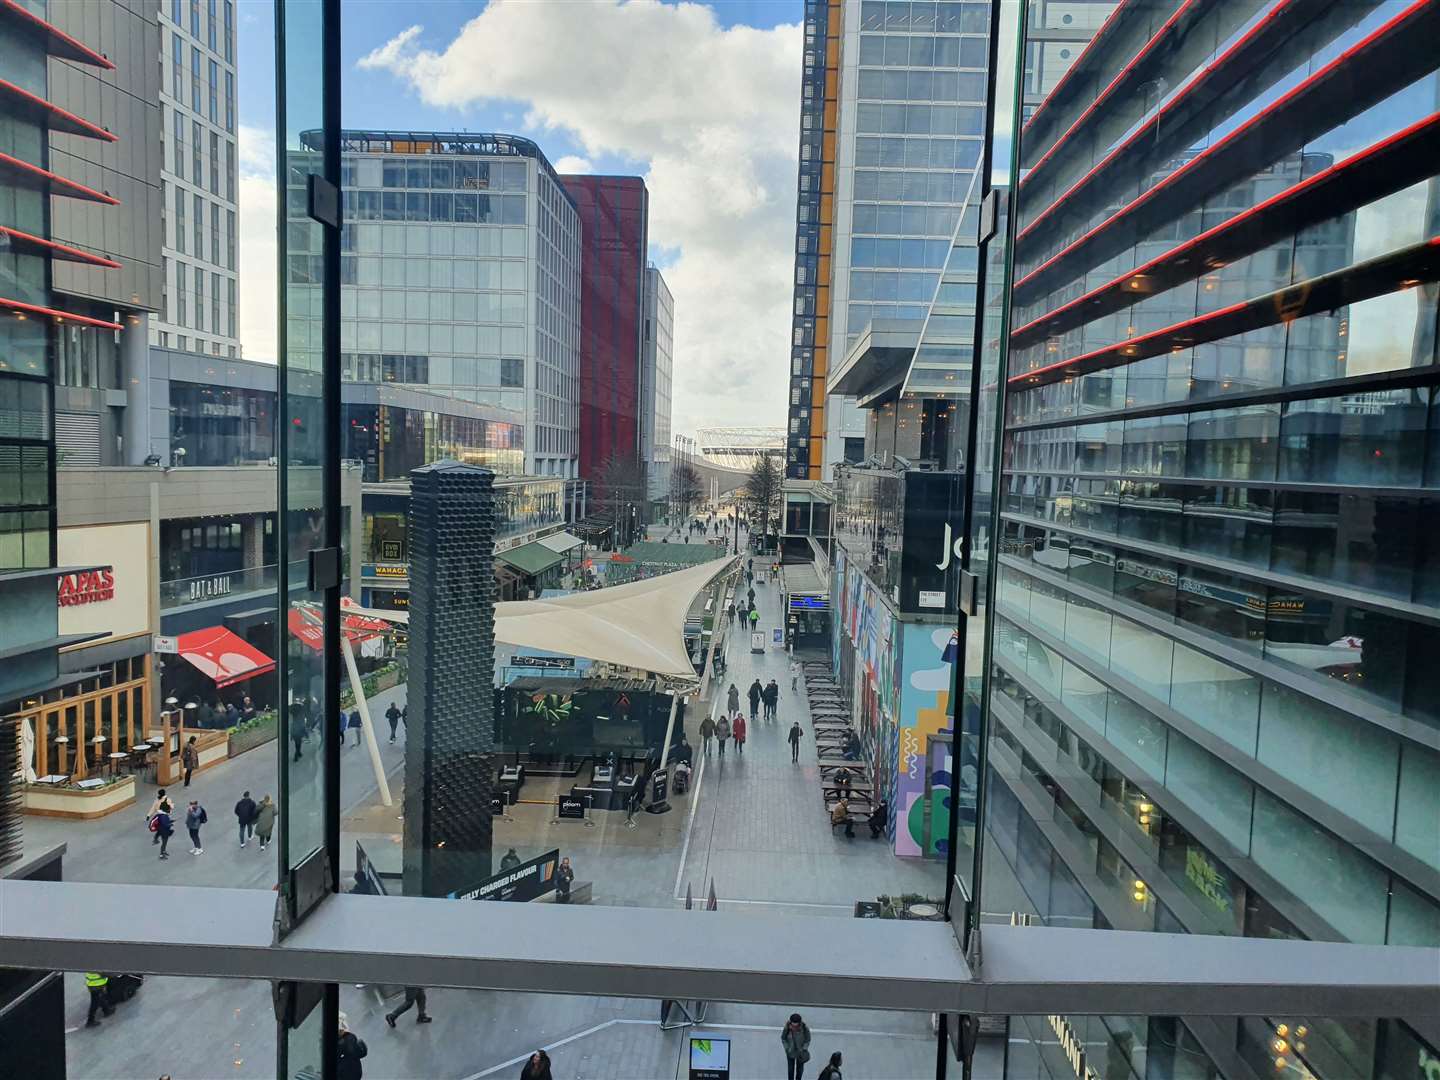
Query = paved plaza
x=754 y=824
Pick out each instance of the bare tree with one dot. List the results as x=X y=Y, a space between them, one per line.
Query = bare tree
x=621 y=493
x=685 y=489
x=762 y=492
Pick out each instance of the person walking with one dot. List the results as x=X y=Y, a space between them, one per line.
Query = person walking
x=349 y=1049
x=771 y=696
x=794 y=674
x=195 y=816
x=245 y=811
x=98 y=983
x=707 y=732
x=754 y=620
x=732 y=700
x=189 y=758
x=392 y=714
x=564 y=878
x=722 y=732
x=299 y=729
x=414 y=995
x=737 y=728
x=536 y=1067
x=754 y=693
x=161 y=804
x=795 y=1038
x=355 y=724
x=832 y=1070
x=794 y=737
x=264 y=821
x=164 y=828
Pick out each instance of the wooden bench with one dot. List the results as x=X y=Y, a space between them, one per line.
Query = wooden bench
x=855 y=817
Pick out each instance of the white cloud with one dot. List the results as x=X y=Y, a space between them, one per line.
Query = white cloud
x=573 y=164
x=715 y=114
x=258 y=250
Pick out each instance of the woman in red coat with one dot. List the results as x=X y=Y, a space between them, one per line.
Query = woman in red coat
x=737 y=729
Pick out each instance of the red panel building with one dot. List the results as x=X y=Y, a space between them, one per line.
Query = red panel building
x=614 y=215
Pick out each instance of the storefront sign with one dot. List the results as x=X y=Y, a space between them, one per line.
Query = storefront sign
x=518 y=884
x=931 y=540
x=570 y=807
x=205 y=588
x=391 y=570
x=1072 y=1047
x=1207 y=878
x=798 y=602
x=659 y=786
x=931 y=599
x=164 y=646
x=709 y=1057
x=87 y=587
x=543 y=661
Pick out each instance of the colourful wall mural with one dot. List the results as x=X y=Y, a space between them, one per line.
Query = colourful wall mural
x=925 y=711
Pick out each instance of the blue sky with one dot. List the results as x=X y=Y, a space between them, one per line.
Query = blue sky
x=702 y=100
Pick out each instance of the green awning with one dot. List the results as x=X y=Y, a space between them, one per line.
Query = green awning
x=531 y=559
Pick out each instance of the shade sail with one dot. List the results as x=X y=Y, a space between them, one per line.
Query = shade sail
x=561 y=542
x=637 y=625
x=533 y=558
x=222 y=656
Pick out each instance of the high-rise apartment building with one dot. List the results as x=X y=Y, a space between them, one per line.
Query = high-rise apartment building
x=614 y=229
x=199 y=173
x=461 y=275
x=656 y=382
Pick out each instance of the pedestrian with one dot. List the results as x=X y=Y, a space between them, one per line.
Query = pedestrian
x=878 y=819
x=245 y=815
x=737 y=728
x=536 y=1067
x=770 y=695
x=414 y=995
x=392 y=714
x=164 y=828
x=754 y=620
x=794 y=674
x=98 y=983
x=755 y=692
x=161 y=803
x=508 y=861
x=194 y=818
x=751 y=597
x=189 y=758
x=232 y=715
x=349 y=1049
x=794 y=737
x=355 y=724
x=247 y=708
x=299 y=729
x=832 y=1071
x=707 y=732
x=722 y=732
x=732 y=700
x=564 y=877
x=264 y=821
x=795 y=1038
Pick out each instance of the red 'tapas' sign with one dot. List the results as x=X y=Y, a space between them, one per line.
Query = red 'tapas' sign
x=87 y=587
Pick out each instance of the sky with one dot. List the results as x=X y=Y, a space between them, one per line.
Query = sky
x=702 y=100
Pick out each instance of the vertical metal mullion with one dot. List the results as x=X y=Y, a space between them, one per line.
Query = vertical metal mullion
x=282 y=387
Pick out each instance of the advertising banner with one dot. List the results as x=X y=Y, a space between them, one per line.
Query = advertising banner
x=528 y=881
x=570 y=807
x=709 y=1057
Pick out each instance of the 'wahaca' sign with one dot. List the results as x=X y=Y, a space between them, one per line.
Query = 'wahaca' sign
x=87 y=587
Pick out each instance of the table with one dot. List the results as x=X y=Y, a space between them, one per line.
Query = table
x=115 y=759
x=54 y=779
x=829 y=765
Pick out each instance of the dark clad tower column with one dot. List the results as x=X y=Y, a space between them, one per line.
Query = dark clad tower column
x=449 y=752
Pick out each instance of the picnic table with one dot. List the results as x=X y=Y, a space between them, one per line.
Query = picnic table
x=828 y=765
x=859 y=792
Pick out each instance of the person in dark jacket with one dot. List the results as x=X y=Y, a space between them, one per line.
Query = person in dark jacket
x=509 y=860
x=189 y=758
x=794 y=739
x=536 y=1067
x=393 y=715
x=414 y=995
x=245 y=811
x=349 y=1049
x=195 y=816
x=299 y=729
x=355 y=724
x=163 y=827
x=755 y=693
x=265 y=821
x=707 y=732
x=832 y=1070
x=795 y=1038
x=98 y=983
x=770 y=695
x=564 y=878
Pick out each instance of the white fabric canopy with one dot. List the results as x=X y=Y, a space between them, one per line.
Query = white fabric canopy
x=638 y=625
x=560 y=542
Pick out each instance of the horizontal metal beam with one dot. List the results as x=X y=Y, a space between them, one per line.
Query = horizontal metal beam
x=719 y=956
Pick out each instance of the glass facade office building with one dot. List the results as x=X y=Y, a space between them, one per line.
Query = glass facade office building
x=1212 y=706
x=461 y=274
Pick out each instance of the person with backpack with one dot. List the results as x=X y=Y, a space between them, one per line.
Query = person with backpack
x=265 y=821
x=162 y=802
x=195 y=816
x=163 y=828
x=245 y=811
x=832 y=1070
x=795 y=1038
x=349 y=1049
